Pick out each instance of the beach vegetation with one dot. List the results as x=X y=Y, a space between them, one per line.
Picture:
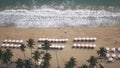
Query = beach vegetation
x=71 y=63
x=22 y=48
x=30 y=44
x=93 y=61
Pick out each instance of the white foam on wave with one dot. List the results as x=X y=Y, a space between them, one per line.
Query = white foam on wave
x=47 y=17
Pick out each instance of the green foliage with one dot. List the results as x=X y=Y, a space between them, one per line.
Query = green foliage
x=30 y=43
x=20 y=63
x=27 y=64
x=22 y=48
x=46 y=63
x=84 y=66
x=6 y=56
x=92 y=61
x=46 y=45
x=102 y=52
x=36 y=55
x=71 y=63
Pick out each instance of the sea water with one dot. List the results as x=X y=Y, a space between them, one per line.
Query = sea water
x=59 y=13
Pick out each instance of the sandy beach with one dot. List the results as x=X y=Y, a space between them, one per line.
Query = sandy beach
x=106 y=36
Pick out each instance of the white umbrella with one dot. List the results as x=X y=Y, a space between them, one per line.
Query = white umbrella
x=74 y=45
x=3 y=45
x=87 y=39
x=13 y=41
x=7 y=45
x=82 y=45
x=90 y=39
x=83 y=39
x=79 y=45
x=113 y=55
x=63 y=47
x=79 y=39
x=107 y=55
x=119 y=56
x=17 y=41
x=86 y=45
x=15 y=45
x=11 y=45
x=5 y=40
x=110 y=59
x=107 y=48
x=18 y=45
x=21 y=41
x=94 y=39
x=75 y=39
x=9 y=41
x=118 y=49
x=113 y=49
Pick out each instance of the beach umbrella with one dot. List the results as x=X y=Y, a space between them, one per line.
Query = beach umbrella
x=75 y=39
x=83 y=39
x=118 y=49
x=17 y=41
x=18 y=45
x=3 y=45
x=107 y=55
x=21 y=41
x=7 y=45
x=5 y=41
x=110 y=59
x=78 y=45
x=11 y=45
x=87 y=39
x=82 y=45
x=113 y=55
x=15 y=45
x=94 y=46
x=107 y=48
x=80 y=39
x=119 y=56
x=59 y=47
x=74 y=45
x=91 y=39
x=94 y=39
x=13 y=41
x=63 y=47
x=9 y=41
x=113 y=49
x=86 y=45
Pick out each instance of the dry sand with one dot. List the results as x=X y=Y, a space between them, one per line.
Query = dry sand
x=106 y=36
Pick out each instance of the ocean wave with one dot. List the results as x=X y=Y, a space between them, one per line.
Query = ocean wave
x=49 y=17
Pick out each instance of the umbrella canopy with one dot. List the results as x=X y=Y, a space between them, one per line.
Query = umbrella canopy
x=110 y=59
x=107 y=55
x=113 y=55
x=119 y=56
x=113 y=49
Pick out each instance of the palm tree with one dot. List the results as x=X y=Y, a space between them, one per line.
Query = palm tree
x=1 y=54
x=36 y=56
x=102 y=52
x=71 y=63
x=92 y=61
x=22 y=48
x=30 y=44
x=27 y=64
x=84 y=66
x=6 y=57
x=46 y=45
x=46 y=63
x=20 y=63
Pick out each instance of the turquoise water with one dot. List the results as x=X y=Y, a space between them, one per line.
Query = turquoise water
x=29 y=3
x=59 y=13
